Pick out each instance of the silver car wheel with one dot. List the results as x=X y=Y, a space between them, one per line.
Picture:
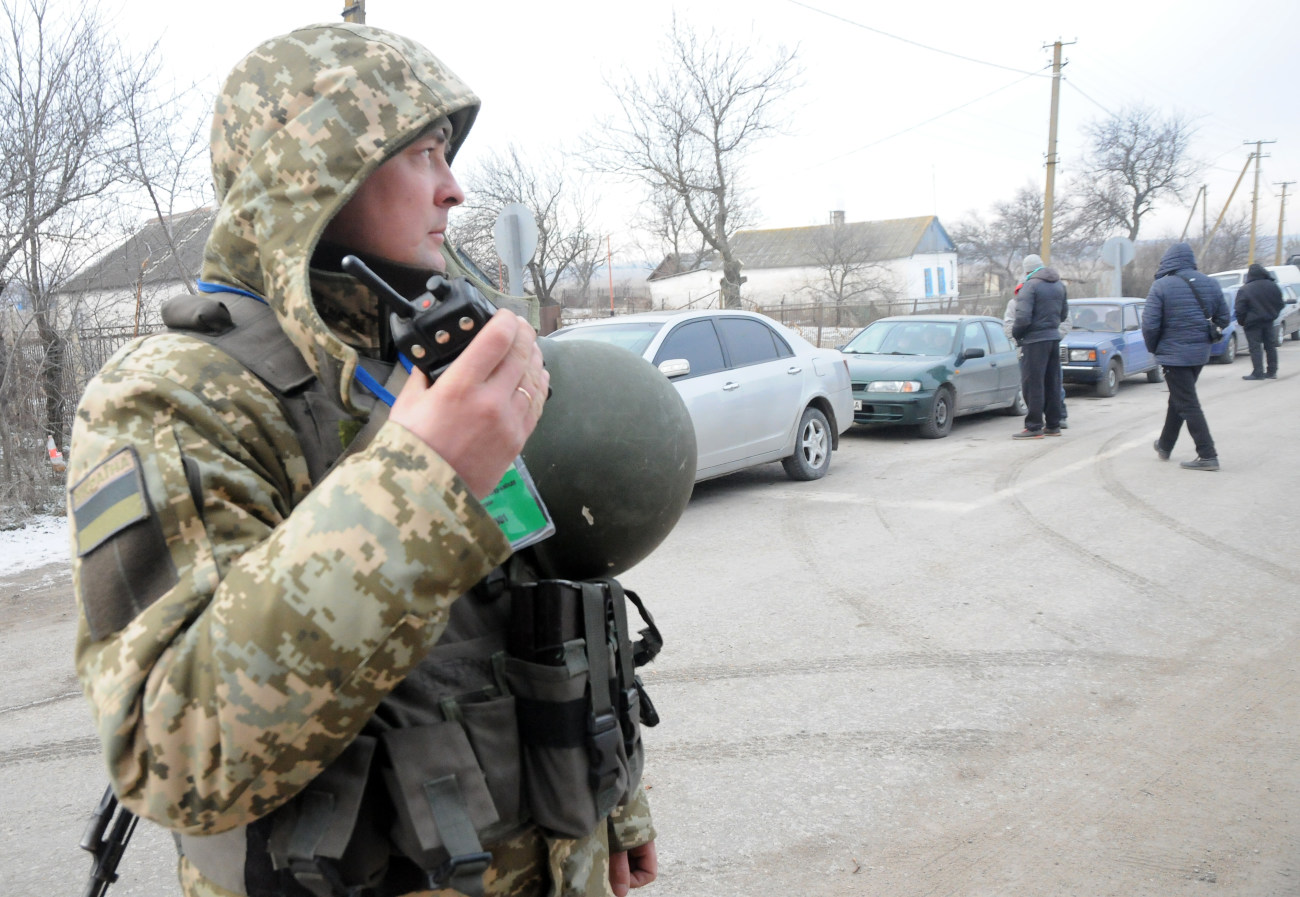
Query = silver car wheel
x=813 y=443
x=812 y=448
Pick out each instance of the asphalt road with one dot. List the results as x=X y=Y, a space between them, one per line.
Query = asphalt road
x=967 y=666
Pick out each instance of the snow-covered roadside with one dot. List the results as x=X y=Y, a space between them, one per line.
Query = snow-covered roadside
x=44 y=540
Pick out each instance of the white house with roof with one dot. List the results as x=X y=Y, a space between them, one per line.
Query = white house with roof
x=901 y=258
x=125 y=286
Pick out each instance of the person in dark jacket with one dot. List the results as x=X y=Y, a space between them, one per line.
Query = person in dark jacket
x=1176 y=330
x=1258 y=302
x=1040 y=308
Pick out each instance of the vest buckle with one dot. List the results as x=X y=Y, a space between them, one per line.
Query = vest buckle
x=603 y=736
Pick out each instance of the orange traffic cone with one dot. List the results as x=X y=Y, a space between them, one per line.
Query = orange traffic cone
x=56 y=456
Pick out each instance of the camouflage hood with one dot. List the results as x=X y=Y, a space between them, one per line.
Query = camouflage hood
x=301 y=122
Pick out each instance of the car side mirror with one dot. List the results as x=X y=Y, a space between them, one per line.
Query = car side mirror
x=972 y=353
x=674 y=367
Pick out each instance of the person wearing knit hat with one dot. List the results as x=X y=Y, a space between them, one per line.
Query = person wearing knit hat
x=1041 y=307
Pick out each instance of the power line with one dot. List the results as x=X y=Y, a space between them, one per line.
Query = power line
x=906 y=40
x=1086 y=97
x=921 y=124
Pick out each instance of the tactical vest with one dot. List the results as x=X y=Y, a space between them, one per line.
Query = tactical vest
x=526 y=711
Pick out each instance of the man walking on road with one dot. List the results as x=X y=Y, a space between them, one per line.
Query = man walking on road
x=1258 y=302
x=1175 y=327
x=1040 y=308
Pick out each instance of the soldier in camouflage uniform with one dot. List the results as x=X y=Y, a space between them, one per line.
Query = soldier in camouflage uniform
x=241 y=621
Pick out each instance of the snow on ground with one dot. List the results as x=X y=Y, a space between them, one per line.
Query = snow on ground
x=44 y=540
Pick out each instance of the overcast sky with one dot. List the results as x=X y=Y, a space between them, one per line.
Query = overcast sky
x=904 y=109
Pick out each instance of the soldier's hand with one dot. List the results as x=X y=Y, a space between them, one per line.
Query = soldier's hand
x=633 y=868
x=479 y=413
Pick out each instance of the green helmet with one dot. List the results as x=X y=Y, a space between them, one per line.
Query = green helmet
x=613 y=457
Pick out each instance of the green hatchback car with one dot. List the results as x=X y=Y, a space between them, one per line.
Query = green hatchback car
x=927 y=370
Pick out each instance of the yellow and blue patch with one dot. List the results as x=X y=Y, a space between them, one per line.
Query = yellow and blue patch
x=108 y=500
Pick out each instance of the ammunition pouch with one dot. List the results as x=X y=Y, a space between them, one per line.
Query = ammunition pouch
x=537 y=721
x=570 y=667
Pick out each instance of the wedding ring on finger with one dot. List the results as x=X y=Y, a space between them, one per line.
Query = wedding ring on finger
x=527 y=395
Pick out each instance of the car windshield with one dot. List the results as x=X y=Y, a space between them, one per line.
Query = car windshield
x=632 y=335
x=1228 y=280
x=904 y=338
x=1102 y=318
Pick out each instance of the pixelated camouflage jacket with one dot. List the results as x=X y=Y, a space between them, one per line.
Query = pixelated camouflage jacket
x=239 y=626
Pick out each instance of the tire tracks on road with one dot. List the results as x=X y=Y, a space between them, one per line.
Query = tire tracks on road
x=1132 y=501
x=974 y=661
x=1126 y=577
x=85 y=746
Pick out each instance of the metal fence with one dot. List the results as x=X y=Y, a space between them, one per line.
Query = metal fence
x=34 y=371
x=830 y=324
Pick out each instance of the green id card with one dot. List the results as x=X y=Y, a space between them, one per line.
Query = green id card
x=518 y=508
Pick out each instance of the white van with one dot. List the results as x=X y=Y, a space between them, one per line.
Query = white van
x=1237 y=276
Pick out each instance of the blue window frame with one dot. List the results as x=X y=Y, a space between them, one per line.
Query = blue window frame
x=929 y=283
x=943 y=285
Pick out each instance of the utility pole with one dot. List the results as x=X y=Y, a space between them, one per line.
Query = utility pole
x=1205 y=243
x=1199 y=194
x=1281 y=220
x=1049 y=193
x=354 y=11
x=1254 y=198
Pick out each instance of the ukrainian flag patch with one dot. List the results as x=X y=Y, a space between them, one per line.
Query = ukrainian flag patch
x=108 y=500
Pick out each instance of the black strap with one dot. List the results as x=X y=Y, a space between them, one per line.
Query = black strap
x=314 y=872
x=464 y=870
x=646 y=648
x=1195 y=292
x=604 y=731
x=248 y=331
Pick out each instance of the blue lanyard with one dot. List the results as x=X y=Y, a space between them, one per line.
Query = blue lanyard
x=367 y=379
x=362 y=376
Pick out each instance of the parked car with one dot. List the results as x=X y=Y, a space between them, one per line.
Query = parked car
x=927 y=370
x=1105 y=344
x=1288 y=319
x=1233 y=341
x=1235 y=277
x=1225 y=350
x=756 y=391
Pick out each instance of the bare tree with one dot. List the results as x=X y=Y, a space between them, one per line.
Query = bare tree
x=566 y=238
x=848 y=267
x=166 y=155
x=584 y=269
x=1134 y=159
x=63 y=80
x=1230 y=247
x=663 y=217
x=999 y=244
x=686 y=129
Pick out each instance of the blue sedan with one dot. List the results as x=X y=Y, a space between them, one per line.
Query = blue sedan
x=1105 y=344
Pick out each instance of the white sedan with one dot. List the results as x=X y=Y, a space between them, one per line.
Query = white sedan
x=756 y=391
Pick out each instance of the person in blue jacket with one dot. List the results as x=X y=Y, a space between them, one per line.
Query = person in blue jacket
x=1175 y=327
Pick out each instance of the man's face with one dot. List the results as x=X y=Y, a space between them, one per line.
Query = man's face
x=400 y=212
